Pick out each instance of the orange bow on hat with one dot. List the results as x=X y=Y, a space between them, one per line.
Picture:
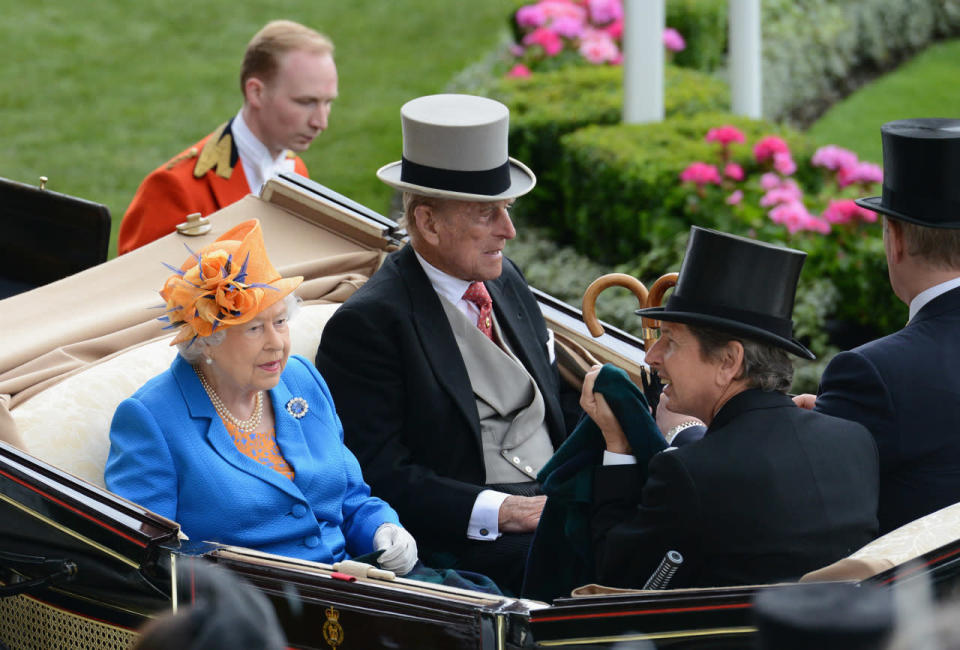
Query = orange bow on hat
x=228 y=282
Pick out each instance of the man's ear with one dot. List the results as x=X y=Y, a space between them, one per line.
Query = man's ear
x=731 y=363
x=894 y=244
x=427 y=224
x=253 y=91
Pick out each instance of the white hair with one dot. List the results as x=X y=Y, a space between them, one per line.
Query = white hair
x=193 y=350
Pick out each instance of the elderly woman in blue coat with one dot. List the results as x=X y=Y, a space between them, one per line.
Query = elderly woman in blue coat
x=238 y=441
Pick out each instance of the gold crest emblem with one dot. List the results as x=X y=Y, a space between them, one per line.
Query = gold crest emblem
x=332 y=630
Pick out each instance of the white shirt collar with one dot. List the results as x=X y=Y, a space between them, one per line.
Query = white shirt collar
x=921 y=299
x=258 y=165
x=448 y=286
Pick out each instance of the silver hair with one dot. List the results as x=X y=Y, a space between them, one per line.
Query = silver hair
x=765 y=366
x=193 y=351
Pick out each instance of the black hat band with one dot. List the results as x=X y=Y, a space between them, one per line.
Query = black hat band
x=915 y=205
x=489 y=182
x=782 y=327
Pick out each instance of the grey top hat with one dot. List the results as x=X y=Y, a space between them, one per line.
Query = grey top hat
x=921 y=168
x=455 y=146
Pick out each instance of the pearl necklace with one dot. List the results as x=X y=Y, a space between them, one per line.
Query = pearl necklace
x=243 y=425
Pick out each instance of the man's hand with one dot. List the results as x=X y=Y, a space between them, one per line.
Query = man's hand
x=520 y=514
x=594 y=405
x=805 y=401
x=667 y=419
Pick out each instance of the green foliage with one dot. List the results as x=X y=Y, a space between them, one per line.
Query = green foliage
x=636 y=169
x=703 y=25
x=546 y=106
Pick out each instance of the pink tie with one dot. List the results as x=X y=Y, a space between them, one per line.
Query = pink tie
x=477 y=294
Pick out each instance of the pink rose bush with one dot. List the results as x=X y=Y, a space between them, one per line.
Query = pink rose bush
x=552 y=33
x=771 y=199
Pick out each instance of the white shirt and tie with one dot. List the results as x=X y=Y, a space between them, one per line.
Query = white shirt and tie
x=258 y=165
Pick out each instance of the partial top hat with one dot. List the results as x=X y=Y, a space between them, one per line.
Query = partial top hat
x=455 y=146
x=921 y=168
x=737 y=285
x=824 y=615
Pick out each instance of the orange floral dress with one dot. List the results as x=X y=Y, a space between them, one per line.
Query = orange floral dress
x=261 y=447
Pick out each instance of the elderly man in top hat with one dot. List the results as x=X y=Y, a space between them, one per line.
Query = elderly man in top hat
x=771 y=491
x=441 y=366
x=905 y=388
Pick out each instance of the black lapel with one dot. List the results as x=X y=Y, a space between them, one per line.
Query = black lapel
x=436 y=337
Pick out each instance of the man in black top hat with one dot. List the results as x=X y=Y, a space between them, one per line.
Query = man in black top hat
x=905 y=388
x=771 y=491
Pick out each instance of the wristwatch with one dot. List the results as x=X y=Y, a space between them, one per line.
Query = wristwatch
x=686 y=424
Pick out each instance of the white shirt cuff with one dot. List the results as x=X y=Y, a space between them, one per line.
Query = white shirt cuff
x=485 y=518
x=611 y=458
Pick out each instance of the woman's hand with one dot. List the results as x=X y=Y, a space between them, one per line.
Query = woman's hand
x=398 y=546
x=594 y=405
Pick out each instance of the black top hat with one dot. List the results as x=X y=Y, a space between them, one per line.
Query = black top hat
x=738 y=285
x=823 y=615
x=921 y=172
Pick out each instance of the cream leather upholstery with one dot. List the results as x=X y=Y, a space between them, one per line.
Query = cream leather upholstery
x=68 y=425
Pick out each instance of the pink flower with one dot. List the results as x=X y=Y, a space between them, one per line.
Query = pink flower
x=597 y=47
x=770 y=181
x=781 y=195
x=672 y=40
x=733 y=171
x=735 y=198
x=700 y=173
x=793 y=215
x=783 y=163
x=725 y=135
x=768 y=146
x=567 y=26
x=545 y=38
x=847 y=211
x=614 y=29
x=862 y=172
x=517 y=50
x=833 y=157
x=605 y=11
x=531 y=16
x=519 y=71
x=554 y=9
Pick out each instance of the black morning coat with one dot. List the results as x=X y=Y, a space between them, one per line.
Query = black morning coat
x=401 y=389
x=905 y=388
x=771 y=492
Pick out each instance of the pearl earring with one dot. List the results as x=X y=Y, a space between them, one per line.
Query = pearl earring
x=208 y=361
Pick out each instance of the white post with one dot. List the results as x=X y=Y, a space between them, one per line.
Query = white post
x=643 y=23
x=745 y=58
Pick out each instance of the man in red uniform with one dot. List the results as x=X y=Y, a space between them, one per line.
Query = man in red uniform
x=289 y=82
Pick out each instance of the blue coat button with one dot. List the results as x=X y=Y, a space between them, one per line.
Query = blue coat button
x=298 y=510
x=312 y=541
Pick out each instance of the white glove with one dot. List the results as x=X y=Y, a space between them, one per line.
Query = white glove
x=398 y=546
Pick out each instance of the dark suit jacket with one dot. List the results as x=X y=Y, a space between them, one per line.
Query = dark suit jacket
x=905 y=388
x=771 y=492
x=403 y=394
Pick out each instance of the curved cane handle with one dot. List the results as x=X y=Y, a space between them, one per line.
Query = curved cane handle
x=601 y=283
x=654 y=298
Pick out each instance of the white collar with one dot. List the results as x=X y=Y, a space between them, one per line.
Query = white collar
x=258 y=165
x=443 y=283
x=921 y=299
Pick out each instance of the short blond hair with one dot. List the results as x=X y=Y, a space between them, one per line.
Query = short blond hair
x=278 y=37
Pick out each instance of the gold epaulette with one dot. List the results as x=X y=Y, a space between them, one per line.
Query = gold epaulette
x=216 y=153
x=290 y=154
x=186 y=155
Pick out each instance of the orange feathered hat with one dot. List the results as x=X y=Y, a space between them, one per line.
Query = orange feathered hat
x=228 y=282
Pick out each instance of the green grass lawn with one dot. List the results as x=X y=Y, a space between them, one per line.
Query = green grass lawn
x=925 y=86
x=96 y=94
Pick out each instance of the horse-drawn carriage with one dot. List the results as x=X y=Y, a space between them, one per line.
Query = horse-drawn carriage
x=82 y=567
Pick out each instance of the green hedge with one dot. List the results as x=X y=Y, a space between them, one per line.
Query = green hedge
x=547 y=106
x=703 y=25
x=622 y=190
